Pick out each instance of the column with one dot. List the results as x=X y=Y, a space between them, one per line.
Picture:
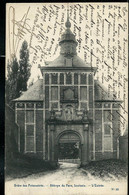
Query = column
x=48 y=141
x=52 y=145
x=44 y=149
x=89 y=144
x=85 y=146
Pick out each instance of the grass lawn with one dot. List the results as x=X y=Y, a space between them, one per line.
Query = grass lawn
x=111 y=168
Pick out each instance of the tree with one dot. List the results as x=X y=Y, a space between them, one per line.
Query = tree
x=24 y=68
x=11 y=86
x=17 y=75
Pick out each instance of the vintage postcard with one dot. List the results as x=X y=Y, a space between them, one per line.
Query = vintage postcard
x=66 y=127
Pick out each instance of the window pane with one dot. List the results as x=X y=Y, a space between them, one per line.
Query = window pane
x=107 y=105
x=30 y=130
x=75 y=78
x=46 y=78
x=107 y=129
x=54 y=93
x=54 y=78
x=116 y=105
x=30 y=105
x=29 y=116
x=29 y=144
x=61 y=78
x=90 y=79
x=107 y=116
x=107 y=143
x=83 y=79
x=115 y=115
x=39 y=143
x=47 y=97
x=90 y=96
x=83 y=93
x=54 y=105
x=68 y=79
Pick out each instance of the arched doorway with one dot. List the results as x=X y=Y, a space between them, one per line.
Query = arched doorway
x=69 y=147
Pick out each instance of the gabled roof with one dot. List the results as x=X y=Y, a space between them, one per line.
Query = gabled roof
x=34 y=93
x=60 y=61
x=101 y=93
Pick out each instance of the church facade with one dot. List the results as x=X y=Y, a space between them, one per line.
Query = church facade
x=68 y=114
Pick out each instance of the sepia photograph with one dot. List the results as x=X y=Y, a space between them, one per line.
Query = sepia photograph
x=66 y=99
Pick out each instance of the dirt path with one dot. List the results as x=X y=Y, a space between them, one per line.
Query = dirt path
x=68 y=179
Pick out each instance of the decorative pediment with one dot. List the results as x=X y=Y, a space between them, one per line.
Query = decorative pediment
x=69 y=94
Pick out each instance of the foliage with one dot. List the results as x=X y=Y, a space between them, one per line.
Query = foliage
x=23 y=165
x=12 y=91
x=18 y=74
x=24 y=67
x=105 y=169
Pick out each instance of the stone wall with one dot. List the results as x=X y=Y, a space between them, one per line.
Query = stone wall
x=30 y=121
x=123 y=148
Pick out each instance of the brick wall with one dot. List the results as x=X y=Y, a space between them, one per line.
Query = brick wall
x=39 y=130
x=116 y=128
x=123 y=148
x=105 y=155
x=11 y=134
x=98 y=130
x=21 y=123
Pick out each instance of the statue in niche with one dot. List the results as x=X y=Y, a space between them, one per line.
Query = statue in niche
x=69 y=113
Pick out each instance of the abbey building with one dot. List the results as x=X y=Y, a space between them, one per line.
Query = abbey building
x=68 y=114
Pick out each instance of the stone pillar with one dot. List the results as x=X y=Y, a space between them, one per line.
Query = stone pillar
x=80 y=150
x=52 y=146
x=85 y=146
x=89 y=141
x=52 y=142
x=48 y=142
x=56 y=152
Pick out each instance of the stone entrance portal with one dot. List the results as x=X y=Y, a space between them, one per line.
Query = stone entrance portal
x=68 y=141
x=69 y=147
